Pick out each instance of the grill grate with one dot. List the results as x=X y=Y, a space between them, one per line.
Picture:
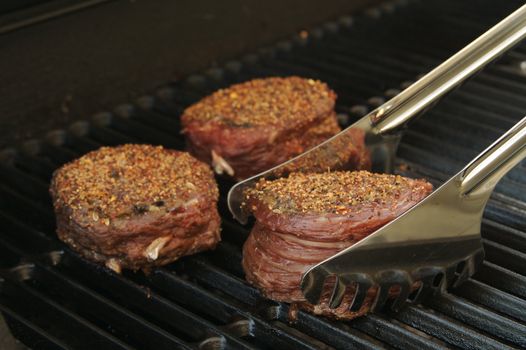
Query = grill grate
x=53 y=299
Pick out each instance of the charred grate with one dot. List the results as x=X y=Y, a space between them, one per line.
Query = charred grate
x=53 y=299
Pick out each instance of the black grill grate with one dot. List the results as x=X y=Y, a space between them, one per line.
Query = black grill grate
x=53 y=299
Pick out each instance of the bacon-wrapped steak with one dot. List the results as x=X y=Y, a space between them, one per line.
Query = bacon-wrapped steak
x=253 y=126
x=306 y=218
x=136 y=206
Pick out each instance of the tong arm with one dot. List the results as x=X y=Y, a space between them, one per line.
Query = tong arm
x=482 y=174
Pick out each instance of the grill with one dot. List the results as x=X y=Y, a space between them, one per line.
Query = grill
x=51 y=298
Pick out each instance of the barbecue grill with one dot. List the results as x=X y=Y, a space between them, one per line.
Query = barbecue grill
x=51 y=298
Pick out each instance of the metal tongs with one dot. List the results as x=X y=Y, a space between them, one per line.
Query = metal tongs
x=437 y=243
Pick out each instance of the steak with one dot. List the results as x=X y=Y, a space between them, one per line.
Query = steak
x=136 y=206
x=254 y=126
x=305 y=218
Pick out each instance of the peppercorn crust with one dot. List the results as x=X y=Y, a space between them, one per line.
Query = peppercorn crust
x=304 y=219
x=337 y=192
x=287 y=102
x=136 y=206
x=253 y=126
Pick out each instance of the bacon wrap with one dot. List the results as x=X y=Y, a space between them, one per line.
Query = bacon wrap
x=253 y=126
x=251 y=150
x=282 y=246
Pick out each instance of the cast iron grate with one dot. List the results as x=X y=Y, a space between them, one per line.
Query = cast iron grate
x=53 y=299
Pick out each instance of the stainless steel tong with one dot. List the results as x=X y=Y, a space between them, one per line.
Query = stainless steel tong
x=437 y=242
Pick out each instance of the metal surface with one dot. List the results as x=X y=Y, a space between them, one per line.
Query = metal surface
x=437 y=241
x=392 y=116
x=7 y=342
x=52 y=299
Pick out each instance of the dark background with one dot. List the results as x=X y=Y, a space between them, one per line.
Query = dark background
x=81 y=57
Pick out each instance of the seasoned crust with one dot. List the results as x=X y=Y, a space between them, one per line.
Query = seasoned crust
x=253 y=126
x=281 y=102
x=115 y=182
x=136 y=206
x=337 y=192
x=306 y=218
